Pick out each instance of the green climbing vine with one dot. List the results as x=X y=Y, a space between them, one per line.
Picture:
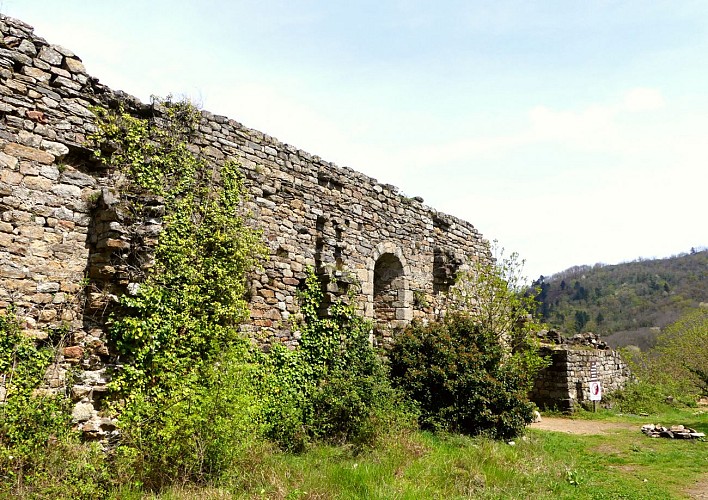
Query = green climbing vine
x=177 y=337
x=333 y=386
x=35 y=430
x=191 y=391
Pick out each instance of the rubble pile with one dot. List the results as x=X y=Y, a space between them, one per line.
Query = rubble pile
x=586 y=339
x=673 y=432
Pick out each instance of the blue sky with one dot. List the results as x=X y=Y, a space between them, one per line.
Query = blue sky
x=572 y=132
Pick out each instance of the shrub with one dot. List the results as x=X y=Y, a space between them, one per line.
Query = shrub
x=333 y=387
x=640 y=397
x=40 y=455
x=471 y=372
x=462 y=378
x=193 y=432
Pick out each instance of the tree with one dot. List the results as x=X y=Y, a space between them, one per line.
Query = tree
x=682 y=351
x=495 y=294
x=581 y=319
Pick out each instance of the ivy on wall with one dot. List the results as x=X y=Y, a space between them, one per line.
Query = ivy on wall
x=333 y=387
x=177 y=337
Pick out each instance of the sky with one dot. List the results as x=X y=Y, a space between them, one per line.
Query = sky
x=571 y=132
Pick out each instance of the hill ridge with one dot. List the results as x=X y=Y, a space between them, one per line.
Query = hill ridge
x=626 y=303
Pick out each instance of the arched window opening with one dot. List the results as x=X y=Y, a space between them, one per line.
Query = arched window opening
x=388 y=289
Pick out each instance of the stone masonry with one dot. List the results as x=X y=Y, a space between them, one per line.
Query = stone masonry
x=66 y=253
x=565 y=384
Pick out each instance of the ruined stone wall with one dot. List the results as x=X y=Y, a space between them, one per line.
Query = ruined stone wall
x=565 y=384
x=66 y=253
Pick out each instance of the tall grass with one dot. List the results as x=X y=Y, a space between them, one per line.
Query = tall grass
x=415 y=465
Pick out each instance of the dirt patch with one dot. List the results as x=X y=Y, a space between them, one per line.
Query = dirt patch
x=586 y=427
x=699 y=491
x=628 y=469
x=606 y=449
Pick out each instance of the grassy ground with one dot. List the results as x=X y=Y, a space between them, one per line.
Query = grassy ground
x=622 y=463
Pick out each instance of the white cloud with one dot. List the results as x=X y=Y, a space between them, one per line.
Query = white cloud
x=643 y=99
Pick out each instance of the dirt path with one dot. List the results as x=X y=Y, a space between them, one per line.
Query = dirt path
x=699 y=491
x=580 y=426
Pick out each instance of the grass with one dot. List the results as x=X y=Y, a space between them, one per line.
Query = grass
x=622 y=464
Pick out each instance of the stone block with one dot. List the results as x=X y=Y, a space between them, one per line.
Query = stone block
x=74 y=352
x=57 y=149
x=82 y=412
x=47 y=287
x=28 y=153
x=7 y=161
x=404 y=314
x=11 y=177
x=37 y=183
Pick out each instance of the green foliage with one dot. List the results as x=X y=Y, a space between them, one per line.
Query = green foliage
x=37 y=445
x=624 y=301
x=543 y=465
x=193 y=432
x=154 y=154
x=187 y=396
x=678 y=365
x=462 y=378
x=495 y=295
x=22 y=363
x=26 y=422
x=332 y=387
x=471 y=373
x=683 y=350
x=640 y=397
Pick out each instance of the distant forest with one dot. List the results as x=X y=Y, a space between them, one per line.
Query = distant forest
x=626 y=303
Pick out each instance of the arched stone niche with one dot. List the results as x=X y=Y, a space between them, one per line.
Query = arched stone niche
x=389 y=299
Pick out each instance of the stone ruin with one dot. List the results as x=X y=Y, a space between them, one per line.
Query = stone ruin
x=565 y=384
x=67 y=252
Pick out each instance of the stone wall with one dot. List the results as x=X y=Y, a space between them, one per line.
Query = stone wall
x=66 y=253
x=565 y=384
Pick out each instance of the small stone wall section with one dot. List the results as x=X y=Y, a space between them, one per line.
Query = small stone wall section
x=565 y=384
x=67 y=251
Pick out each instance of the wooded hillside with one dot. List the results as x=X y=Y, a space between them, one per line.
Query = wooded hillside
x=625 y=303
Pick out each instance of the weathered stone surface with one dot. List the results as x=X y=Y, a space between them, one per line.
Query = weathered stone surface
x=566 y=383
x=82 y=412
x=28 y=48
x=23 y=152
x=74 y=352
x=74 y=65
x=7 y=161
x=47 y=287
x=64 y=219
x=673 y=432
x=10 y=177
x=50 y=56
x=57 y=149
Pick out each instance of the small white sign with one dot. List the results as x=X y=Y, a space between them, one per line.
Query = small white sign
x=595 y=391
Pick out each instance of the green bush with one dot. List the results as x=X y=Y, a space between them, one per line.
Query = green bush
x=644 y=397
x=462 y=378
x=471 y=372
x=194 y=432
x=40 y=455
x=333 y=387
